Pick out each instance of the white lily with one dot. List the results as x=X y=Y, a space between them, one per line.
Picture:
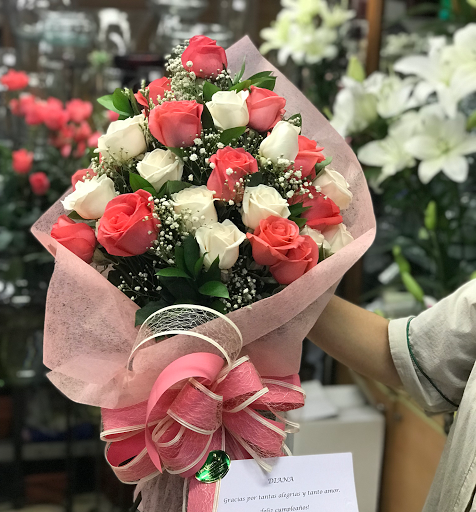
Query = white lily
x=442 y=146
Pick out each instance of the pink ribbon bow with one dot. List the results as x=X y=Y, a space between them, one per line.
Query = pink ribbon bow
x=197 y=405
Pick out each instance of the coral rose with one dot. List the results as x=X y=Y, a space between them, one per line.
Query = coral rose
x=176 y=123
x=265 y=107
x=14 y=80
x=308 y=156
x=39 y=183
x=231 y=165
x=79 y=110
x=127 y=227
x=81 y=175
x=322 y=213
x=22 y=161
x=155 y=88
x=206 y=57
x=79 y=238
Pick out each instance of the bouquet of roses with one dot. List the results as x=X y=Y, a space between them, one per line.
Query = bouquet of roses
x=218 y=228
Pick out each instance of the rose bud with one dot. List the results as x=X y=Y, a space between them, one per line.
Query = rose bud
x=128 y=227
x=231 y=165
x=265 y=107
x=176 y=123
x=156 y=88
x=14 y=80
x=22 y=161
x=207 y=59
x=39 y=183
x=308 y=156
x=78 y=238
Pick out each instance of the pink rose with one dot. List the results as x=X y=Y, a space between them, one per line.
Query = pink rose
x=81 y=175
x=272 y=240
x=34 y=113
x=14 y=80
x=323 y=212
x=79 y=110
x=93 y=139
x=265 y=107
x=308 y=156
x=53 y=114
x=39 y=183
x=123 y=230
x=230 y=166
x=78 y=238
x=207 y=58
x=176 y=123
x=82 y=132
x=297 y=261
x=80 y=149
x=22 y=161
x=156 y=88
x=112 y=116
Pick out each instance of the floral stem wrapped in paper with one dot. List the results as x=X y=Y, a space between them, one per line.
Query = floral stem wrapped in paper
x=192 y=260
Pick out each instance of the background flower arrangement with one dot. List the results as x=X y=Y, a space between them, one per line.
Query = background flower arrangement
x=414 y=131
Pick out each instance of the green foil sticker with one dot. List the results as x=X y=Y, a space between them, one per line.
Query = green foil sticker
x=215 y=468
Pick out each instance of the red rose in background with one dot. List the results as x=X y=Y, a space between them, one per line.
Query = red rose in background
x=112 y=116
x=80 y=175
x=297 y=261
x=25 y=101
x=230 y=166
x=39 y=183
x=265 y=107
x=34 y=112
x=22 y=161
x=79 y=110
x=82 y=132
x=156 y=88
x=122 y=229
x=79 y=238
x=308 y=156
x=14 y=80
x=176 y=123
x=54 y=115
x=207 y=58
x=93 y=139
x=323 y=212
x=273 y=239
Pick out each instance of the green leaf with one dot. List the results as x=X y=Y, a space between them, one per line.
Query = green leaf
x=297 y=208
x=198 y=266
x=121 y=101
x=261 y=74
x=75 y=216
x=214 y=272
x=214 y=289
x=106 y=101
x=207 y=119
x=137 y=182
x=232 y=134
x=295 y=117
x=143 y=314
x=183 y=290
x=172 y=272
x=400 y=260
x=172 y=187
x=180 y=257
x=255 y=179
x=239 y=75
x=266 y=83
x=218 y=305
x=299 y=221
x=191 y=253
x=209 y=90
x=242 y=85
x=177 y=151
x=319 y=166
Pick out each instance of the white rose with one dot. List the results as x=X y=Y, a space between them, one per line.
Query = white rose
x=90 y=197
x=317 y=236
x=338 y=237
x=198 y=203
x=334 y=186
x=160 y=166
x=222 y=240
x=260 y=203
x=281 y=143
x=124 y=139
x=229 y=109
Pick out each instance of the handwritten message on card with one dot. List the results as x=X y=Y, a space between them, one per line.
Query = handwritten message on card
x=323 y=483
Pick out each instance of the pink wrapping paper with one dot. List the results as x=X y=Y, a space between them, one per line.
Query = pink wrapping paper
x=89 y=324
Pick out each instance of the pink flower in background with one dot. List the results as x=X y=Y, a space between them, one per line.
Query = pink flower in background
x=22 y=161
x=14 y=80
x=176 y=123
x=156 y=88
x=80 y=149
x=80 y=175
x=112 y=116
x=230 y=166
x=39 y=183
x=54 y=115
x=123 y=230
x=79 y=238
x=93 y=139
x=21 y=105
x=79 y=110
x=265 y=107
x=207 y=58
x=34 y=112
x=308 y=156
x=82 y=132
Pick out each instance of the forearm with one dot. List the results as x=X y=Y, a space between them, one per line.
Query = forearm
x=356 y=338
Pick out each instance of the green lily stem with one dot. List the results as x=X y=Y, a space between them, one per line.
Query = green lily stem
x=438 y=257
